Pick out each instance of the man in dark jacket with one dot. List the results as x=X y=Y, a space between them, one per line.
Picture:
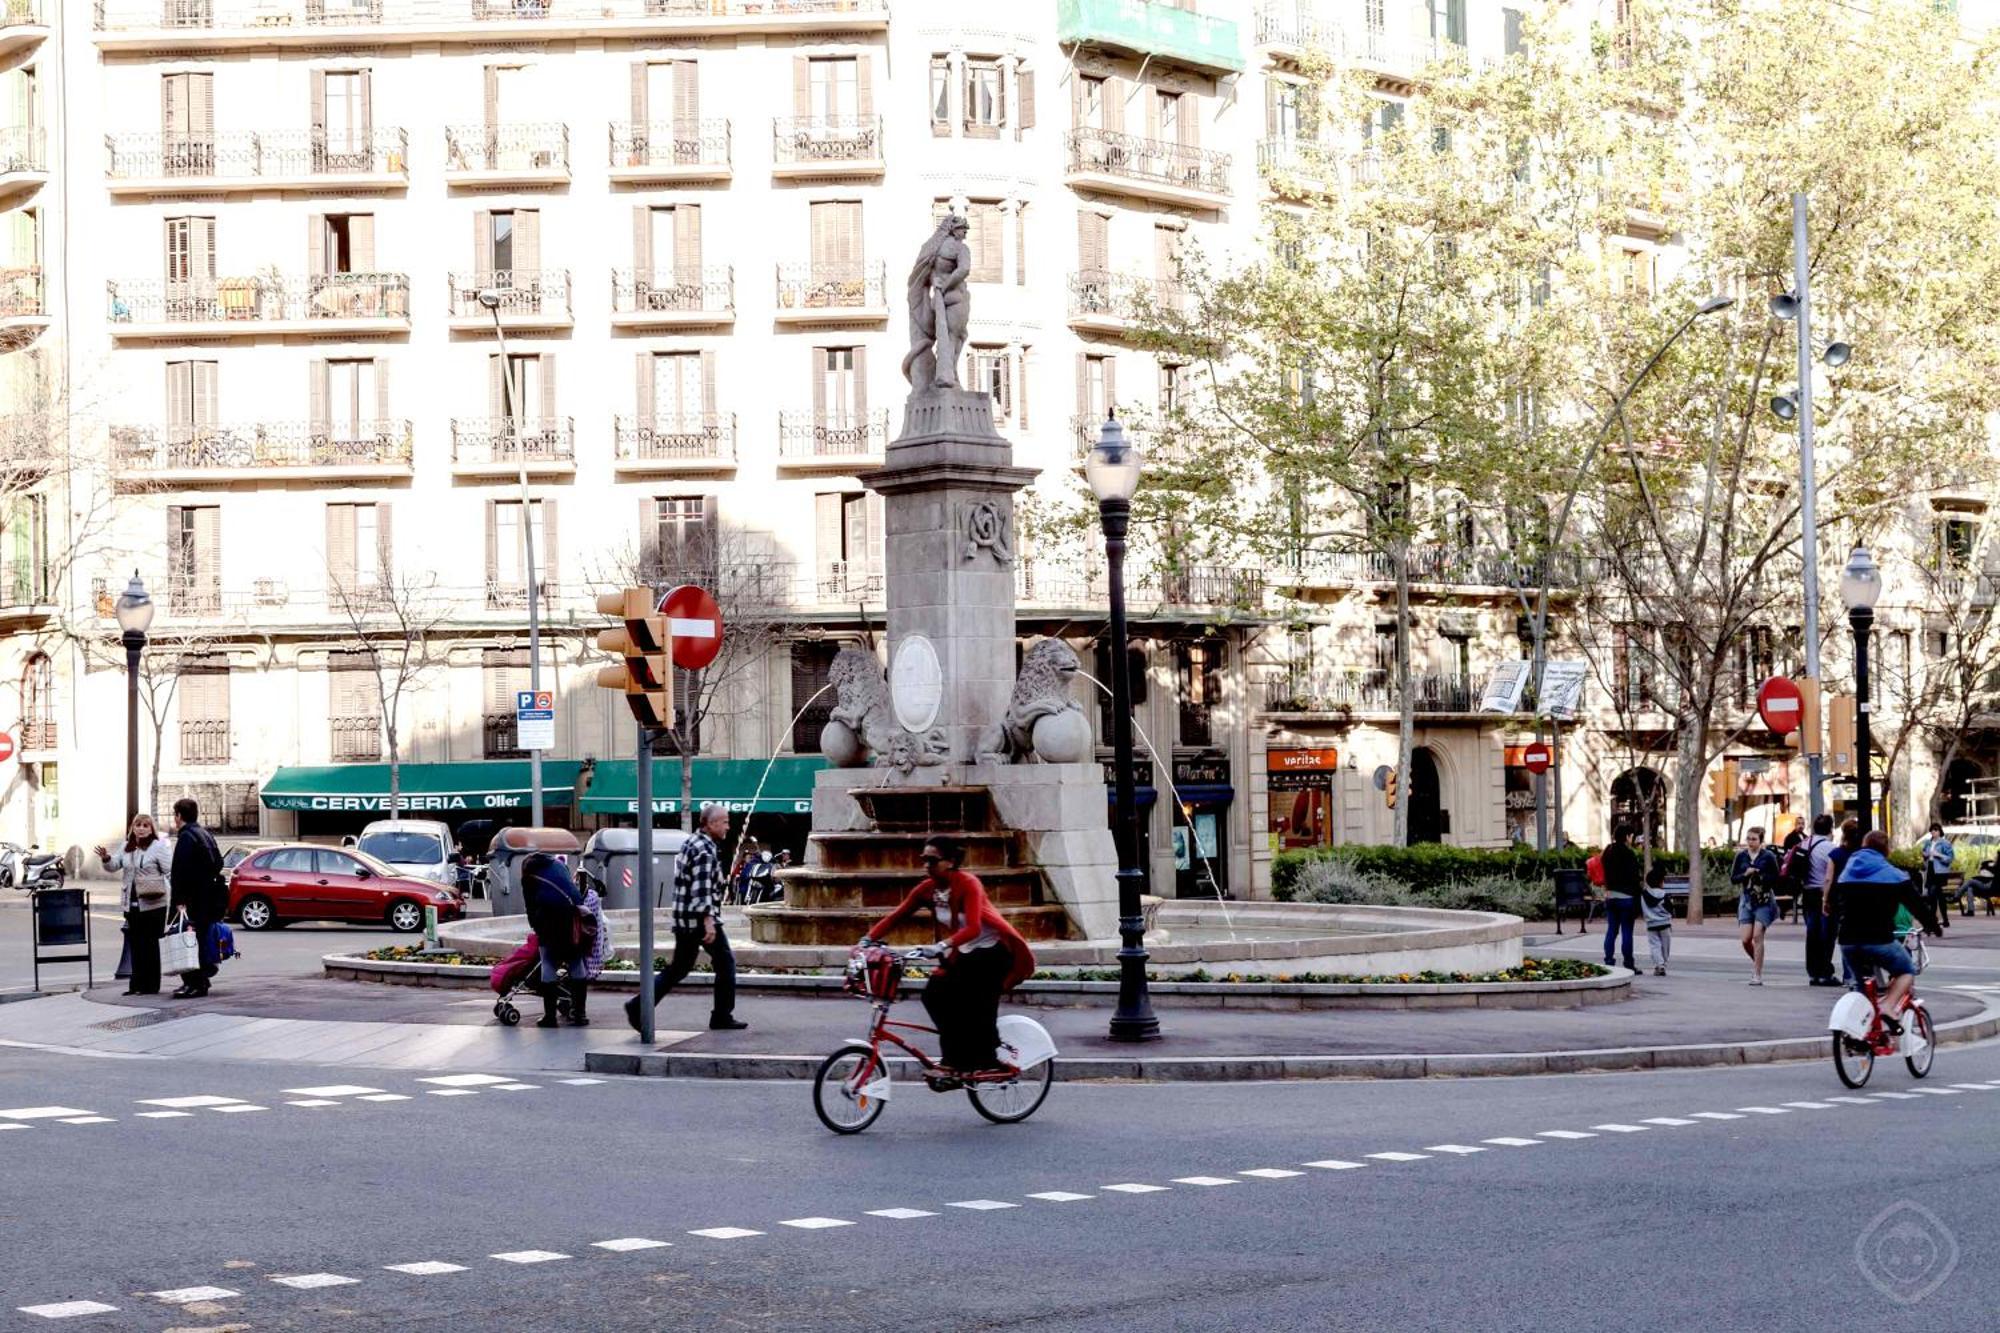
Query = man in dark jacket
x=1622 y=874
x=1865 y=898
x=554 y=902
x=194 y=881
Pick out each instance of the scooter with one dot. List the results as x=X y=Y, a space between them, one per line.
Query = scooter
x=42 y=870
x=10 y=863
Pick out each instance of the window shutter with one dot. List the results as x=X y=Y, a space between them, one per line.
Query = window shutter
x=864 y=86
x=1093 y=242
x=820 y=216
x=861 y=385
x=316 y=244
x=204 y=395
x=173 y=106
x=850 y=236
x=180 y=393
x=317 y=83
x=201 y=106
x=1166 y=254
x=208 y=549
x=642 y=384
x=492 y=544
x=1083 y=389
x=340 y=545
x=496 y=386
x=640 y=78
x=367 y=81
x=642 y=249
x=316 y=380
x=1024 y=101
x=1021 y=392
x=940 y=77
x=1021 y=243
x=827 y=546
x=380 y=365
x=708 y=382
x=492 y=97
x=546 y=409
x=527 y=244
x=385 y=544
x=550 y=547
x=1189 y=121
x=361 y=241
x=819 y=374
x=179 y=573
x=201 y=232
x=1110 y=384
x=649 y=537
x=1152 y=97
x=482 y=244
x=687 y=99
x=687 y=243
x=801 y=87
x=1114 y=104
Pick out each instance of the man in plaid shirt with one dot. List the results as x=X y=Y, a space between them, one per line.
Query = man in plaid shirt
x=698 y=922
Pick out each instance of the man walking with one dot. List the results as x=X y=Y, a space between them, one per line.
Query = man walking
x=1622 y=874
x=698 y=883
x=194 y=880
x=1818 y=851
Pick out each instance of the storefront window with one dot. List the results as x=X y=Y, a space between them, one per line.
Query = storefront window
x=1300 y=786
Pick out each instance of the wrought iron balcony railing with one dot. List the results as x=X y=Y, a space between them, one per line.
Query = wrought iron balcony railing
x=477 y=441
x=1372 y=691
x=1153 y=161
x=257 y=154
x=503 y=148
x=816 y=141
x=205 y=741
x=673 y=291
x=263 y=444
x=804 y=437
x=832 y=287
x=355 y=740
x=263 y=299
x=21 y=292
x=114 y=16
x=524 y=293
x=695 y=438
x=659 y=145
x=23 y=148
x=1121 y=296
x=24 y=582
x=39 y=734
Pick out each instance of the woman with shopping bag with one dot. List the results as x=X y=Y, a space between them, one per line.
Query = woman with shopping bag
x=144 y=861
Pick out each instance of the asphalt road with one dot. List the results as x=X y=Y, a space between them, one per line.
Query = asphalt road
x=1761 y=1205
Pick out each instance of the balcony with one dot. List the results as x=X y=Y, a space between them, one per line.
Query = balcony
x=24 y=163
x=355 y=740
x=1297 y=167
x=664 y=445
x=1201 y=588
x=1144 y=29
x=27 y=593
x=22 y=26
x=1439 y=567
x=671 y=151
x=811 y=442
x=528 y=299
x=250 y=307
x=1102 y=302
x=204 y=741
x=672 y=298
x=506 y=447
x=501 y=737
x=1125 y=164
x=39 y=736
x=27 y=444
x=183 y=25
x=1294 y=27
x=495 y=155
x=240 y=161
x=24 y=310
x=262 y=451
x=1371 y=691
x=814 y=147
x=832 y=294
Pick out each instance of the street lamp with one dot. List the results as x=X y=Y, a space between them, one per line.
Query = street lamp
x=134 y=610
x=1112 y=469
x=490 y=298
x=1860 y=587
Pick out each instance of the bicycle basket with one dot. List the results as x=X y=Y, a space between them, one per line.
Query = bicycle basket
x=875 y=974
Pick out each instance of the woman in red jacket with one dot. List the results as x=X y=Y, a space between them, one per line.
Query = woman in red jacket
x=983 y=957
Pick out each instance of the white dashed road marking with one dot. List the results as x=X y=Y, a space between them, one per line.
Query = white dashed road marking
x=905 y=1214
x=1894 y=1096
x=816 y=1223
x=1061 y=1196
x=43 y=1113
x=1666 y=1120
x=1459 y=1148
x=1205 y=1180
x=1115 y=1189
x=515 y=1087
x=86 y=1120
x=313 y=1101
x=313 y=1281
x=1715 y=1115
x=991 y=1205
x=1515 y=1143
x=185 y=1103
x=1565 y=1134
x=149 y=1115
x=580 y=1082
x=626 y=1244
x=453 y=1092
x=428 y=1268
x=332 y=1090
x=1270 y=1173
x=385 y=1097
x=68 y=1309
x=1809 y=1106
x=1851 y=1101
x=1940 y=1092
x=1621 y=1129
x=725 y=1233
x=528 y=1256
x=1397 y=1156
x=465 y=1080
x=1973 y=1087
x=189 y=1295
x=1764 y=1110
x=238 y=1108
x=1335 y=1164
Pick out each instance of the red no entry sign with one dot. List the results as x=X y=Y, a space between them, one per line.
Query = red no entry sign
x=1779 y=703
x=6 y=746
x=695 y=621
x=1536 y=758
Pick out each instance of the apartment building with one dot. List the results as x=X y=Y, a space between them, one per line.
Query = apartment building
x=279 y=395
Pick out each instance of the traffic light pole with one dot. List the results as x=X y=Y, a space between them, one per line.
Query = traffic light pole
x=1808 y=497
x=644 y=761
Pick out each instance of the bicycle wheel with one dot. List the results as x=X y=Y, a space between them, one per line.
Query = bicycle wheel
x=841 y=1111
x=1015 y=1100
x=1920 y=1063
x=1853 y=1060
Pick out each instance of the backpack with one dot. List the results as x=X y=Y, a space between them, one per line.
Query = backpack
x=1796 y=868
x=1594 y=868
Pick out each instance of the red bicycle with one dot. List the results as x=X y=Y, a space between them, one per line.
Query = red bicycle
x=852 y=1087
x=1859 y=1035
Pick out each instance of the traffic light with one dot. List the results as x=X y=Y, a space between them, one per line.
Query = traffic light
x=1840 y=734
x=1722 y=786
x=642 y=641
x=1389 y=789
x=1812 y=739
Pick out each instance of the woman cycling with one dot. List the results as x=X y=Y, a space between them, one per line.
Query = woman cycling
x=983 y=957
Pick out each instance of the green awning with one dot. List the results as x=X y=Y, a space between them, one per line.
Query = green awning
x=488 y=784
x=740 y=784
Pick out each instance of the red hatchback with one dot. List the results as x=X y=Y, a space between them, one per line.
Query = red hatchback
x=303 y=882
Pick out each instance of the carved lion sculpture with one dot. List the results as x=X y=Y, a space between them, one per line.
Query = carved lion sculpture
x=861 y=710
x=1041 y=692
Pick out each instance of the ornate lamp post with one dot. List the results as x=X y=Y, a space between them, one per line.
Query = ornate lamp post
x=134 y=610
x=1860 y=587
x=1113 y=468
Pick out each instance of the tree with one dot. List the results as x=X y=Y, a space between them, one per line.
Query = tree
x=394 y=626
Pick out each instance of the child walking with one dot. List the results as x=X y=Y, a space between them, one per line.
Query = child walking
x=1659 y=920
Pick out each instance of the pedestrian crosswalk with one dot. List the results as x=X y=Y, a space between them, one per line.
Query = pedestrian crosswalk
x=196 y=1105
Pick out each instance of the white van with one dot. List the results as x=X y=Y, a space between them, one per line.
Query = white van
x=419 y=848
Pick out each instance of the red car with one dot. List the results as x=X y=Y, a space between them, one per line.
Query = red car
x=303 y=882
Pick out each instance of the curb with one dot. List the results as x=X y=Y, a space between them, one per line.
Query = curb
x=1244 y=1069
x=1274 y=996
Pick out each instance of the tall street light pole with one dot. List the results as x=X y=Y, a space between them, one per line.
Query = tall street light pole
x=1112 y=469
x=491 y=300
x=1540 y=623
x=134 y=610
x=1860 y=588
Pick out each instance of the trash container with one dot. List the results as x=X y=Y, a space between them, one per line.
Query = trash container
x=610 y=861
x=511 y=846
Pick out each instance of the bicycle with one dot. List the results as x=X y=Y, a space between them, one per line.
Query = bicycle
x=1859 y=1034
x=852 y=1087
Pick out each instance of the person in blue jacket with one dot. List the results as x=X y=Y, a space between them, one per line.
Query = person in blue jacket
x=555 y=910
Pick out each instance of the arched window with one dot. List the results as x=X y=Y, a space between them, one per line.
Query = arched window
x=38 y=704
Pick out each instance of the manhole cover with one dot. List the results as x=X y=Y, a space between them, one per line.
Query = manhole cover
x=143 y=1018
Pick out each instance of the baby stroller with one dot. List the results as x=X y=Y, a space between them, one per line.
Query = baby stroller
x=521 y=971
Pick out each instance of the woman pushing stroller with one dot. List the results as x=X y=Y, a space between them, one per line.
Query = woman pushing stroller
x=573 y=939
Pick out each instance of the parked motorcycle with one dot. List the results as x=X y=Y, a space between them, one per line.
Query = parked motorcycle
x=30 y=868
x=10 y=863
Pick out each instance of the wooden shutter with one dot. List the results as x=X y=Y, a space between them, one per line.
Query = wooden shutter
x=848 y=235
x=203 y=396
x=316 y=393
x=180 y=393
x=208 y=552
x=1189 y=122
x=989 y=230
x=642 y=244
x=381 y=367
x=687 y=99
x=361 y=241
x=1021 y=243
x=482 y=245
x=1021 y=392
x=1110 y=384
x=492 y=544
x=1083 y=388
x=492 y=98
x=1024 y=100
x=1152 y=97
x=854 y=513
x=173 y=106
x=340 y=544
x=861 y=384
x=179 y=575
x=707 y=382
x=316 y=244
x=822 y=223
x=385 y=543
x=317 y=83
x=864 y=86
x=827 y=545
x=1093 y=242
x=201 y=249
x=1166 y=254
x=687 y=242
x=801 y=87
x=649 y=535
x=366 y=80
x=642 y=384
x=496 y=386
x=546 y=409
x=527 y=244
x=819 y=373
x=1114 y=104
x=641 y=77
x=201 y=106
x=548 y=552
x=940 y=77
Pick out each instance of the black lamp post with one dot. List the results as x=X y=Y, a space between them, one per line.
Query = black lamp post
x=1112 y=469
x=1860 y=587
x=134 y=610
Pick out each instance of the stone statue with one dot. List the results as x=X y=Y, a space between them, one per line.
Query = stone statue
x=940 y=307
x=1043 y=719
x=862 y=723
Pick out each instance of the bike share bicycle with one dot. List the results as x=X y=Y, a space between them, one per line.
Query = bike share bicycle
x=1860 y=1034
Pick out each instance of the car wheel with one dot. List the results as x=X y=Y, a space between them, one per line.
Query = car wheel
x=255 y=914
x=406 y=916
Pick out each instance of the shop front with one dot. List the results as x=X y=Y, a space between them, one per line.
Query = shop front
x=1301 y=805
x=1201 y=826
x=331 y=800
x=776 y=799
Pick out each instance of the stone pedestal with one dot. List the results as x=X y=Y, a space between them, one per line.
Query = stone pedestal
x=1060 y=810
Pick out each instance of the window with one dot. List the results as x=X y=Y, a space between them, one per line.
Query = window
x=1021 y=244
x=357 y=547
x=1095 y=390
x=833 y=89
x=506 y=551
x=354 y=708
x=340 y=120
x=1511 y=26
x=24 y=575
x=190 y=251
x=1283 y=104
x=985 y=100
x=836 y=240
x=1167 y=108
x=289 y=860
x=1636 y=274
x=991 y=372
x=940 y=126
x=837 y=396
x=1136 y=669
x=194 y=558
x=524 y=390
x=187 y=124
x=343 y=243
x=38 y=703
x=1385 y=649
x=848 y=544
x=204 y=709
x=812 y=672
x=1199 y=664
x=985 y=235
x=1448 y=21
x=507 y=253
x=666 y=246
x=1955 y=541
x=346 y=401
x=500 y=255
x=1090 y=104
x=1170 y=387
x=506 y=672
x=190 y=409
x=678 y=538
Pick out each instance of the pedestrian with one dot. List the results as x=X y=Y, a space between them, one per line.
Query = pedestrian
x=1621 y=892
x=557 y=915
x=1659 y=919
x=1797 y=835
x=744 y=882
x=1755 y=875
x=1938 y=855
x=196 y=890
x=144 y=860
x=1818 y=851
x=1850 y=843
x=698 y=924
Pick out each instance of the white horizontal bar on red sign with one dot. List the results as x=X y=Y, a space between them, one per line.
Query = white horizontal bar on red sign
x=692 y=629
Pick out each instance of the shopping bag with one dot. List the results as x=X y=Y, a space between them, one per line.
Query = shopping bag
x=180 y=948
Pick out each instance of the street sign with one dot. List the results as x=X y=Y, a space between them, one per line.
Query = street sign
x=535 y=719
x=695 y=622
x=1505 y=687
x=1780 y=703
x=1536 y=758
x=6 y=746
